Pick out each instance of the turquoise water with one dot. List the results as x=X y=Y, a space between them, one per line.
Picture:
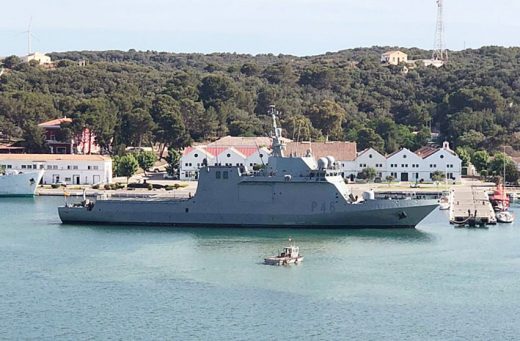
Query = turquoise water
x=80 y=282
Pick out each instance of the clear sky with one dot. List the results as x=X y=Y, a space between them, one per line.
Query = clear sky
x=300 y=27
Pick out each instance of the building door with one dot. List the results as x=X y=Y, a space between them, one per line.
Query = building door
x=55 y=178
x=96 y=179
x=75 y=179
x=404 y=176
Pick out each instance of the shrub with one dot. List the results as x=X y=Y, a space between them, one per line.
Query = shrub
x=107 y=187
x=150 y=187
x=168 y=187
x=96 y=186
x=55 y=186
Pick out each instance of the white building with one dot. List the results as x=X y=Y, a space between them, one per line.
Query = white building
x=41 y=58
x=405 y=165
x=371 y=158
x=194 y=158
x=440 y=159
x=256 y=156
x=394 y=57
x=70 y=169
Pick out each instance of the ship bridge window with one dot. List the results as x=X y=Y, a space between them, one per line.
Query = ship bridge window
x=225 y=174
x=217 y=174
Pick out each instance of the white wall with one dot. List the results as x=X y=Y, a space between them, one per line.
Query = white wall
x=445 y=162
x=405 y=166
x=191 y=163
x=259 y=157
x=231 y=157
x=88 y=172
x=372 y=159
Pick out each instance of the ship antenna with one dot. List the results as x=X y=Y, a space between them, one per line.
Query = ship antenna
x=278 y=145
x=261 y=159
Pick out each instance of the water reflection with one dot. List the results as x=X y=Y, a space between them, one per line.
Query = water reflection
x=244 y=234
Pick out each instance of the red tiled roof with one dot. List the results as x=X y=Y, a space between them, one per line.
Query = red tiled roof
x=426 y=151
x=238 y=141
x=53 y=157
x=341 y=151
x=247 y=151
x=215 y=150
x=55 y=122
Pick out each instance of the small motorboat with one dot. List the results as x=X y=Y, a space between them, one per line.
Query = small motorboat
x=445 y=202
x=289 y=255
x=505 y=217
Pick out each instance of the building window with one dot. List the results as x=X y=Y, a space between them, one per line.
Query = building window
x=196 y=155
x=55 y=167
x=225 y=175
x=229 y=155
x=261 y=155
x=75 y=167
x=442 y=156
x=370 y=155
x=9 y=166
x=217 y=174
x=404 y=156
x=96 y=167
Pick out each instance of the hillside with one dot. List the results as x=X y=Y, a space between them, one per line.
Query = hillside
x=136 y=97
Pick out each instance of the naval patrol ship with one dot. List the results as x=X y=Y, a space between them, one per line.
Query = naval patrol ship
x=290 y=191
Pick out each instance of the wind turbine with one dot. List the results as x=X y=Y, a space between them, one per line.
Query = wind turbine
x=29 y=37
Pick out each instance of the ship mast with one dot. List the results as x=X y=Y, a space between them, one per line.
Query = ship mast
x=278 y=146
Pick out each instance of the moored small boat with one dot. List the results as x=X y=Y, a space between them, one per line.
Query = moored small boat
x=505 y=217
x=289 y=255
x=445 y=201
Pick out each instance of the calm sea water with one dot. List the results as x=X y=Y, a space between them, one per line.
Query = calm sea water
x=81 y=282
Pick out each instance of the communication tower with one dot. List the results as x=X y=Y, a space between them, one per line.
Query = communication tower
x=439 y=49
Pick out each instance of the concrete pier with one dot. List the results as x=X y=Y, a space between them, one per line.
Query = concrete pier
x=471 y=207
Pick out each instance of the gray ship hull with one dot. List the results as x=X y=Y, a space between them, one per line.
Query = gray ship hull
x=369 y=214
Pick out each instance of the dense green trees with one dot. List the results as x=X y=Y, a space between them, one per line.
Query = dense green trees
x=145 y=159
x=125 y=165
x=142 y=98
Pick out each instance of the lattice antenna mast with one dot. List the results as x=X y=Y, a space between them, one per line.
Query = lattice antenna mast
x=439 y=51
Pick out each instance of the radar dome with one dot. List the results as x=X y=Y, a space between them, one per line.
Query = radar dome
x=332 y=161
x=323 y=163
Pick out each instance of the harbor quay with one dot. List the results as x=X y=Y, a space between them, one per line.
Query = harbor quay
x=187 y=188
